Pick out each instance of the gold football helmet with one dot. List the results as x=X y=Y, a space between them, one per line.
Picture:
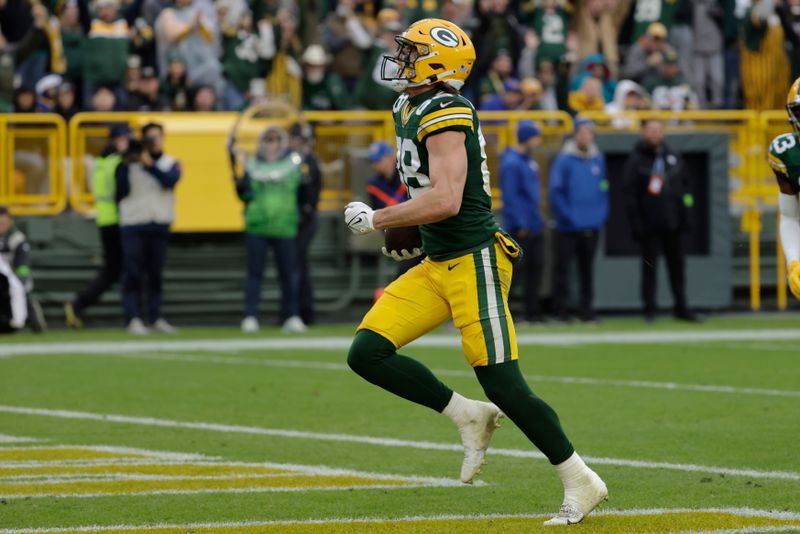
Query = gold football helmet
x=430 y=51
x=793 y=105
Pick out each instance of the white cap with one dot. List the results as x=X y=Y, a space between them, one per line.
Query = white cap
x=51 y=81
x=315 y=55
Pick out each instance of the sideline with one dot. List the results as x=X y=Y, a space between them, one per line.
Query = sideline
x=434 y=341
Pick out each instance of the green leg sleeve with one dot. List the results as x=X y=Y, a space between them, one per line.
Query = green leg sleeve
x=375 y=359
x=505 y=386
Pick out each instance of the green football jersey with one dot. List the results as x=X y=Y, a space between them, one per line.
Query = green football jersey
x=429 y=113
x=648 y=11
x=552 y=31
x=784 y=158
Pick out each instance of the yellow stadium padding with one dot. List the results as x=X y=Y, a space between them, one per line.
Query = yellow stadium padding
x=33 y=157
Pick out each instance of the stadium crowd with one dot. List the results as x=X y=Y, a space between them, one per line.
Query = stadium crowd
x=215 y=55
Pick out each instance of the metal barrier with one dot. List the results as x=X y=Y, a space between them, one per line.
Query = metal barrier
x=32 y=159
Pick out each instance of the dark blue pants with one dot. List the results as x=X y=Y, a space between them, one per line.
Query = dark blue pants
x=305 y=289
x=144 y=252
x=580 y=245
x=284 y=251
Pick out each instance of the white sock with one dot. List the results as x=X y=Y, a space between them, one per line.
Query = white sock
x=458 y=409
x=572 y=472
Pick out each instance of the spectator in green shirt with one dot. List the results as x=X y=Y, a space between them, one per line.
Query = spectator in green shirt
x=646 y=12
x=551 y=24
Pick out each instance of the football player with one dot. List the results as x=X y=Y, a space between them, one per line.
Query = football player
x=784 y=158
x=466 y=277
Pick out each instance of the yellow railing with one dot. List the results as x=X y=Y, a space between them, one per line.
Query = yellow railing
x=33 y=154
x=33 y=158
x=205 y=195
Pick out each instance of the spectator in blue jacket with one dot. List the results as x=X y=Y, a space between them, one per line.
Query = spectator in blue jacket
x=579 y=200
x=519 y=183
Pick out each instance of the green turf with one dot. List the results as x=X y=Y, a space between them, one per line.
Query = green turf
x=734 y=430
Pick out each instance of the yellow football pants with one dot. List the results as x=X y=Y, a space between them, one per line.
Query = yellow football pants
x=472 y=289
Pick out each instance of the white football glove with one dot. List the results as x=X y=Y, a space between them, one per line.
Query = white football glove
x=358 y=217
x=403 y=254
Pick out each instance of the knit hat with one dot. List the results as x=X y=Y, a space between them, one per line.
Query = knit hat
x=527 y=130
x=580 y=121
x=379 y=150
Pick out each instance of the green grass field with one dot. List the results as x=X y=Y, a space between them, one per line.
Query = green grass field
x=694 y=428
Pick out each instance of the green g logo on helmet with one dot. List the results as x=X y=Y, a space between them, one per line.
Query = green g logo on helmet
x=444 y=36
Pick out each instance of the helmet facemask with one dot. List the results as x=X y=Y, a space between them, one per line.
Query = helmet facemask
x=401 y=67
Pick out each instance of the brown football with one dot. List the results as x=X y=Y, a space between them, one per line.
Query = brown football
x=405 y=237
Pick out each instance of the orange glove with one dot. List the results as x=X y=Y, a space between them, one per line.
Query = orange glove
x=794 y=278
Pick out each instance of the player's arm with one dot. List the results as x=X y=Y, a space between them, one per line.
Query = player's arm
x=790 y=222
x=447 y=164
x=789 y=208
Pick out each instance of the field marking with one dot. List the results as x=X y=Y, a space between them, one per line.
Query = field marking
x=736 y=512
x=383 y=442
x=569 y=380
x=747 y=530
x=251 y=489
x=9 y=439
x=133 y=452
x=124 y=477
x=47 y=482
x=431 y=341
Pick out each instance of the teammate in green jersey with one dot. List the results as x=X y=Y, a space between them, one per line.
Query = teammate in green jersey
x=784 y=158
x=442 y=160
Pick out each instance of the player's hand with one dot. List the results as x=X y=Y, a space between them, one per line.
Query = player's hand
x=794 y=278
x=358 y=217
x=403 y=254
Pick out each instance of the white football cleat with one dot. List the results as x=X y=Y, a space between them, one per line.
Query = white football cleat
x=250 y=325
x=137 y=328
x=476 y=433
x=580 y=501
x=161 y=325
x=293 y=325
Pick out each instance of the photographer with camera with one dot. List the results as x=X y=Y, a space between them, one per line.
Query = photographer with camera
x=145 y=182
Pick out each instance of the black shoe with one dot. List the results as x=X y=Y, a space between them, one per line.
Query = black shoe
x=649 y=317
x=688 y=316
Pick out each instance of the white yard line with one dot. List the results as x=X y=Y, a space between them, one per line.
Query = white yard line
x=449 y=341
x=382 y=442
x=571 y=380
x=133 y=451
x=124 y=477
x=6 y=439
x=748 y=530
x=740 y=512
